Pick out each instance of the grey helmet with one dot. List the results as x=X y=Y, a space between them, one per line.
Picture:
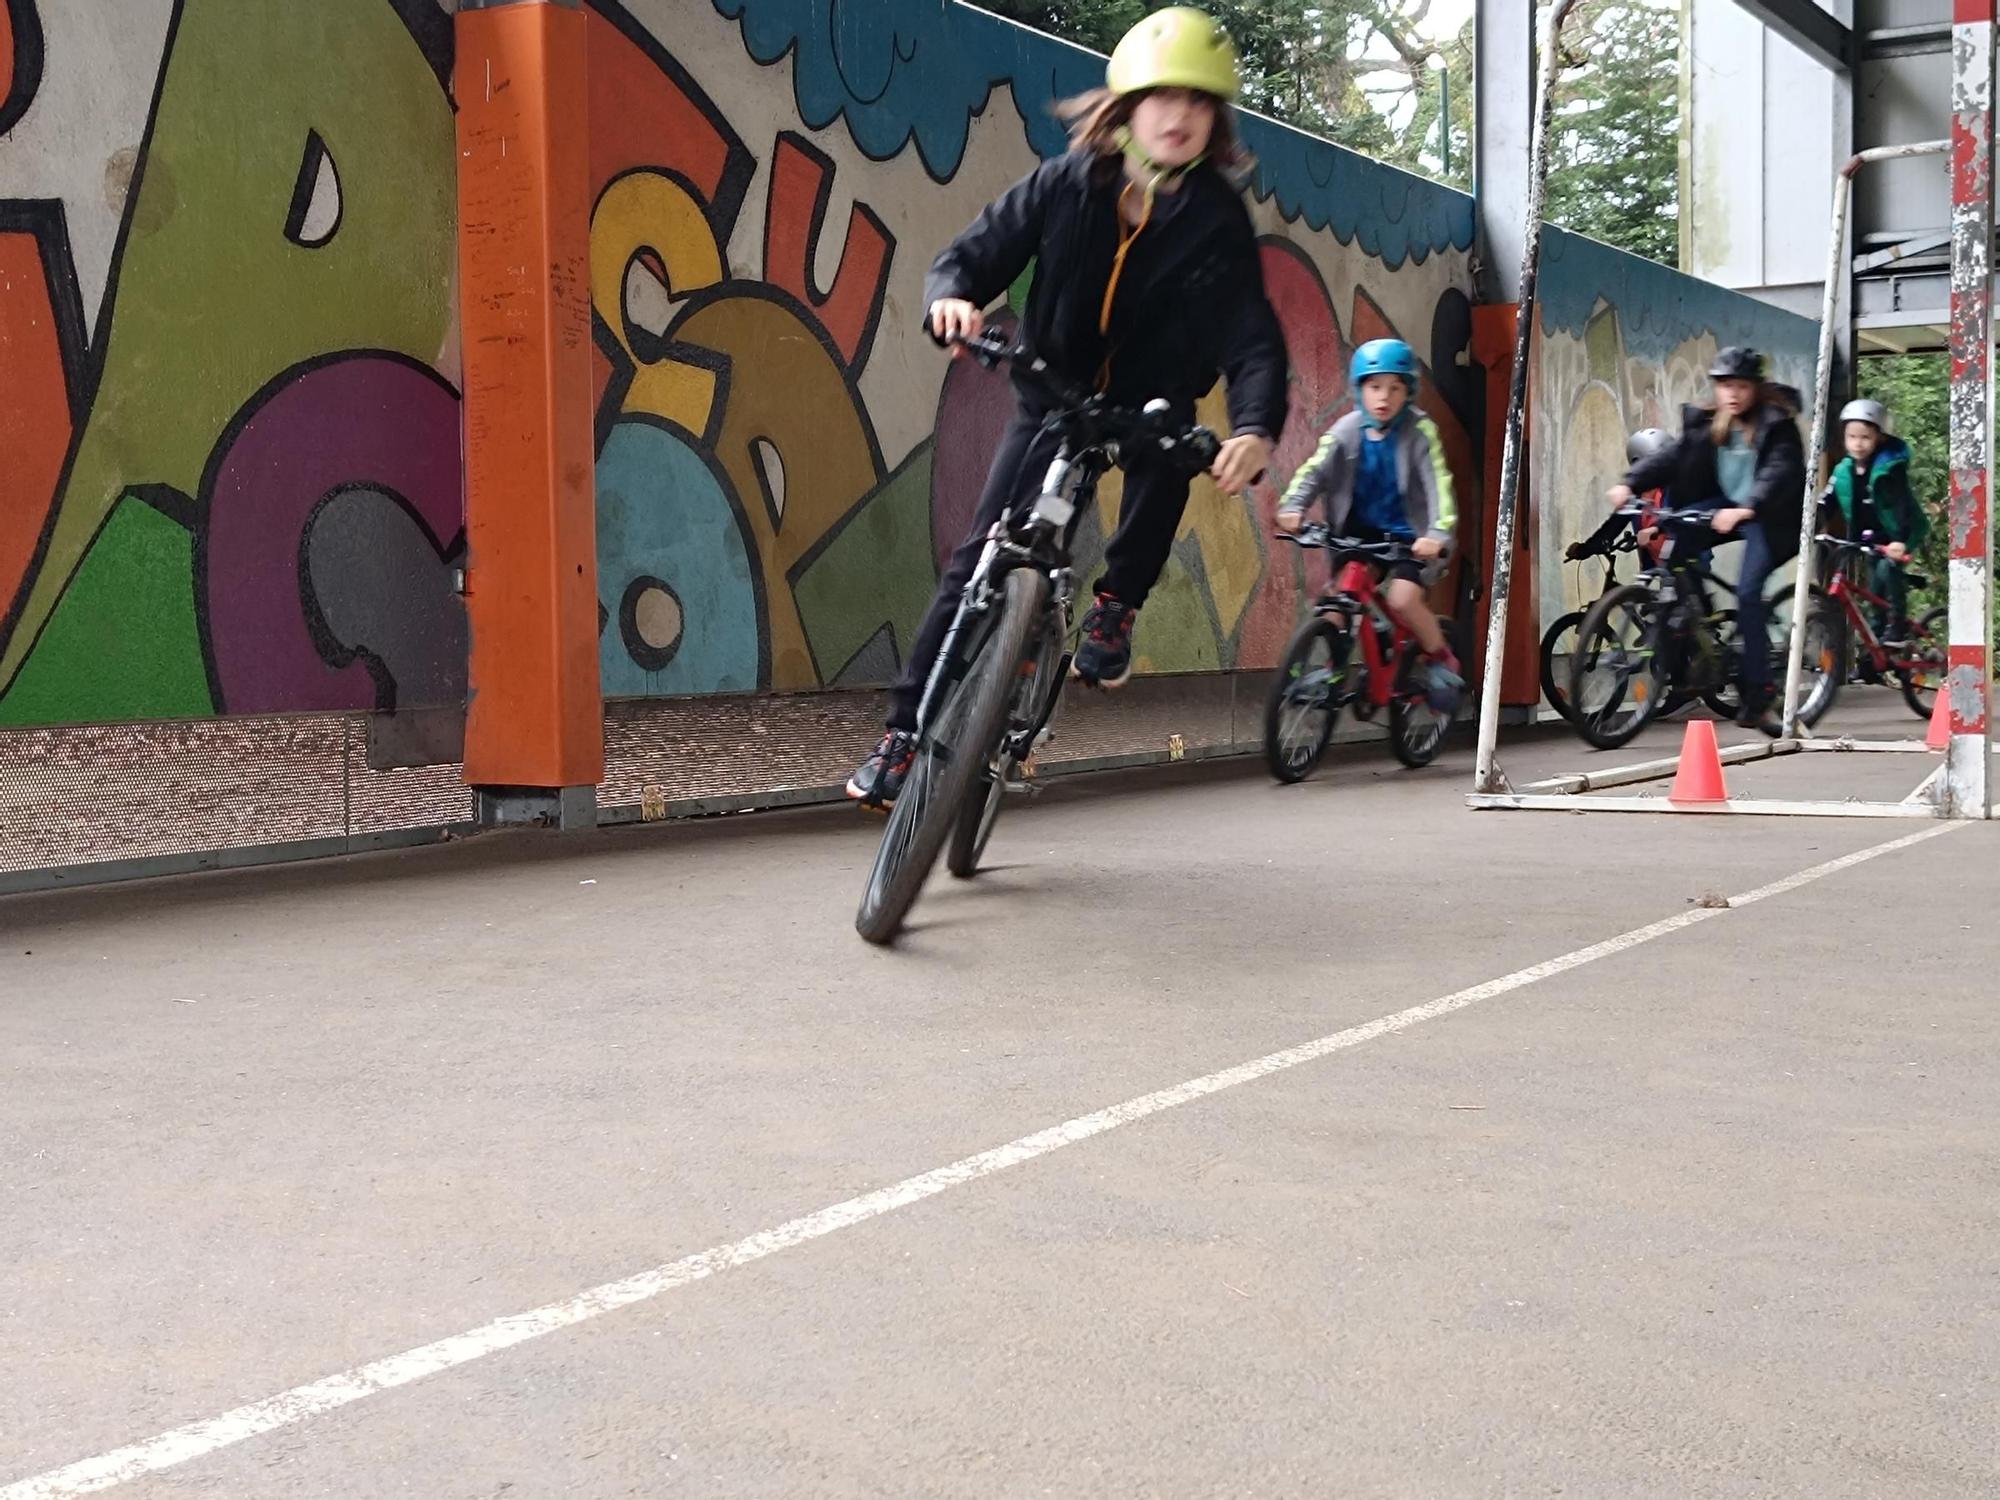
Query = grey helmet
x=1646 y=442
x=1737 y=363
x=1867 y=411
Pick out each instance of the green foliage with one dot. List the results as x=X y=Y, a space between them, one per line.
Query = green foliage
x=1614 y=158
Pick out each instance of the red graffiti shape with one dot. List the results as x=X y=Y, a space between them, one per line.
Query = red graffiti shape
x=34 y=406
x=644 y=113
x=801 y=182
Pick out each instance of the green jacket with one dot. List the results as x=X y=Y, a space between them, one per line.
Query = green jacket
x=1429 y=498
x=1900 y=518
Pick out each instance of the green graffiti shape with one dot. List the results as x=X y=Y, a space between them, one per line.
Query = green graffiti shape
x=123 y=643
x=876 y=570
x=214 y=297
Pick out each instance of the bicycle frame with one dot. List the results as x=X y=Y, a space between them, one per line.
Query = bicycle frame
x=1847 y=591
x=1355 y=597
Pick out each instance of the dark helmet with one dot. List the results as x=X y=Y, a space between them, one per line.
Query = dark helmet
x=1734 y=363
x=1644 y=443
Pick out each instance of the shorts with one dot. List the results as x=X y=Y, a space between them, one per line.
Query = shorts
x=1422 y=574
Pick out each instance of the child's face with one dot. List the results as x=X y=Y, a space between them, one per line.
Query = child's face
x=1862 y=441
x=1172 y=126
x=1383 y=396
x=1735 y=396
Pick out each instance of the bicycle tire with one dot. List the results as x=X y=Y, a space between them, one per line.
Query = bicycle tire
x=1823 y=669
x=1416 y=730
x=1601 y=727
x=1932 y=631
x=973 y=827
x=1726 y=701
x=1291 y=758
x=1552 y=684
x=959 y=740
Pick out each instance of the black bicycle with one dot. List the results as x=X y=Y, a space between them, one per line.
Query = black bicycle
x=1559 y=641
x=1657 y=641
x=1000 y=669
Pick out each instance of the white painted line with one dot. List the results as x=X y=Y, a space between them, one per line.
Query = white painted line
x=1771 y=807
x=198 y=1439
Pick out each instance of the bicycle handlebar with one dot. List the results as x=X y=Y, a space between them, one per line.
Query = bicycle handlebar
x=1094 y=422
x=1319 y=535
x=1866 y=544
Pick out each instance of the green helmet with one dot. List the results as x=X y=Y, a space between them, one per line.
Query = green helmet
x=1179 y=47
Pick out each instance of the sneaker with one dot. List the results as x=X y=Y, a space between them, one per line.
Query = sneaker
x=1444 y=688
x=1105 y=657
x=1759 y=711
x=880 y=777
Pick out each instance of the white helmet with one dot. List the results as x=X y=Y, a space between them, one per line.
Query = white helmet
x=1867 y=411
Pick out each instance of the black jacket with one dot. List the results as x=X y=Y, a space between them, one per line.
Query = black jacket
x=1778 y=495
x=1190 y=307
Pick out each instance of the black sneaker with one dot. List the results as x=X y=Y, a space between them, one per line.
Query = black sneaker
x=880 y=777
x=1759 y=711
x=1105 y=657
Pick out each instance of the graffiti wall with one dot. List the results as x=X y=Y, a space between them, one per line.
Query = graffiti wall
x=1622 y=344
x=784 y=458
x=227 y=399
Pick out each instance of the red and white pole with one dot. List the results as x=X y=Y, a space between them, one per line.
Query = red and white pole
x=1964 y=790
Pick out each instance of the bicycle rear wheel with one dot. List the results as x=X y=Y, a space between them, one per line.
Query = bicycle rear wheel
x=1416 y=730
x=959 y=740
x=1301 y=710
x=1033 y=686
x=1920 y=670
x=1558 y=648
x=1617 y=678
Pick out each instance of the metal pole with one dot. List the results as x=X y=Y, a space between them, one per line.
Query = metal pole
x=1486 y=776
x=1444 y=119
x=1836 y=279
x=1964 y=789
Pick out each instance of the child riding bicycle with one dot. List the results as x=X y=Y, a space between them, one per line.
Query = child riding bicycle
x=1381 y=474
x=1148 y=285
x=1870 y=488
x=1742 y=456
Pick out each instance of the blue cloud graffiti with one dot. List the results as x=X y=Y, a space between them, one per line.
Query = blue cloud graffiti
x=922 y=70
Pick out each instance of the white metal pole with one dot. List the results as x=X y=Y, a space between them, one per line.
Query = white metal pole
x=1486 y=777
x=1816 y=437
x=1965 y=787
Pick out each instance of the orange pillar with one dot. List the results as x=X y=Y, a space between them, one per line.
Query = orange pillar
x=1521 y=664
x=534 y=732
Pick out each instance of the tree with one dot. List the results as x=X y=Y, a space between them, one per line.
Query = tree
x=1614 y=152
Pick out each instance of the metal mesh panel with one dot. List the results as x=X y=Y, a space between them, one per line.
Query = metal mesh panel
x=91 y=794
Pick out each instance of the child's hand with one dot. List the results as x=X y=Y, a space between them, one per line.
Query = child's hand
x=1896 y=551
x=1291 y=520
x=955 y=318
x=1241 y=462
x=1726 y=521
x=1427 y=548
x=1619 y=494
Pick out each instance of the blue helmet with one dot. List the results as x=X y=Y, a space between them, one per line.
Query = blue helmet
x=1384 y=357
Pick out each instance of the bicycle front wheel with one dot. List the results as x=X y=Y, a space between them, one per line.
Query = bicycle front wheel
x=1033 y=686
x=1617 y=679
x=1920 y=669
x=960 y=739
x=1558 y=649
x=1301 y=711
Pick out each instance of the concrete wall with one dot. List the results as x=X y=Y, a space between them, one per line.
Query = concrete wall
x=784 y=454
x=228 y=415
x=1621 y=344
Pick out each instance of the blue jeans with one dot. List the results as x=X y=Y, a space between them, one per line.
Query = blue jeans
x=1752 y=620
x=1890 y=581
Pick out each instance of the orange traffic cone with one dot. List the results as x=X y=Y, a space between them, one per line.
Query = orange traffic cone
x=1940 y=730
x=1699 y=776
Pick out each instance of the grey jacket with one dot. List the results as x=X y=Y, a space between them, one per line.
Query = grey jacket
x=1429 y=500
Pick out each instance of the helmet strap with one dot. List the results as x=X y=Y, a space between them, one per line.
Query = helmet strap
x=1157 y=175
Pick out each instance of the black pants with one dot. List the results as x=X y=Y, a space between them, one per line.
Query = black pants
x=1134 y=558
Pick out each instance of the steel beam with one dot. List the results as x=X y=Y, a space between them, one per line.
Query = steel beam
x=1808 y=28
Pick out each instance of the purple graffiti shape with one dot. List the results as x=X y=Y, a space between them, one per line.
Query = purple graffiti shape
x=319 y=433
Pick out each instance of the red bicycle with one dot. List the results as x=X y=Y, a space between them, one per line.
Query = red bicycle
x=1837 y=622
x=1317 y=679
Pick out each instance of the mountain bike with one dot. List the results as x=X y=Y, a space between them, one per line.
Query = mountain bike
x=1659 y=639
x=1560 y=639
x=1317 y=680
x=1836 y=624
x=1000 y=669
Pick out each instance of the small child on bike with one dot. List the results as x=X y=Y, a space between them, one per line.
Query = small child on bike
x=1148 y=285
x=1639 y=447
x=1743 y=457
x=1870 y=488
x=1380 y=472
